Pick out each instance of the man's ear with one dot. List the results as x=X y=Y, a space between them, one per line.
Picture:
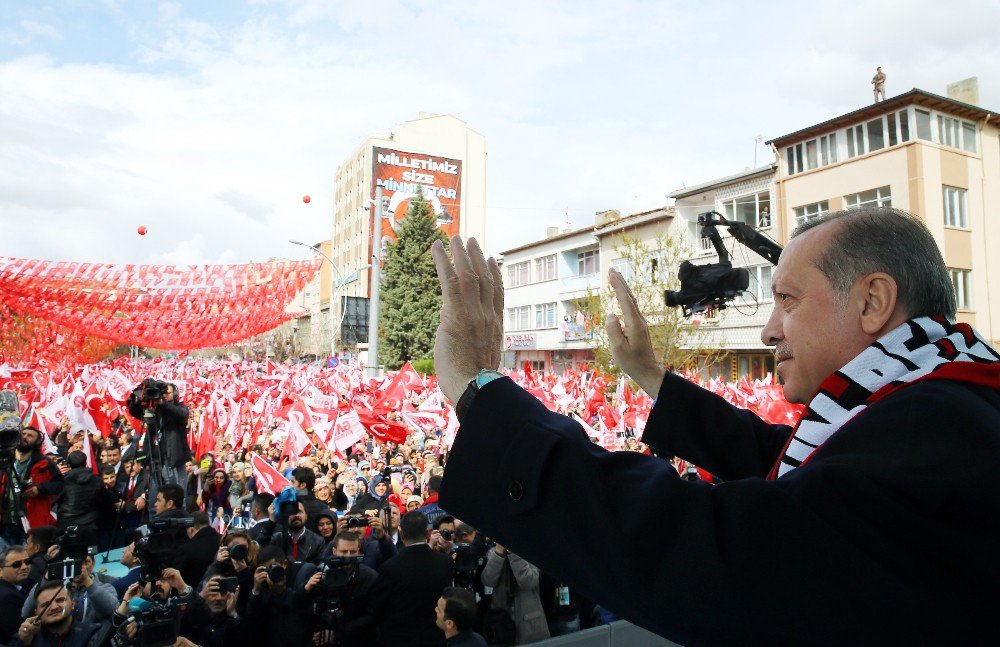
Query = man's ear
x=876 y=297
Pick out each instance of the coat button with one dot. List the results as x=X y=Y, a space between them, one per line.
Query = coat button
x=516 y=490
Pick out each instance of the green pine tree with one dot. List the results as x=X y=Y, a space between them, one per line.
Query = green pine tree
x=410 y=295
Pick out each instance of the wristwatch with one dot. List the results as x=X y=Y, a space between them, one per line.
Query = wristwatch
x=484 y=377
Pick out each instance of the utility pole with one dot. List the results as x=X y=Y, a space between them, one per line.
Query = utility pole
x=373 y=298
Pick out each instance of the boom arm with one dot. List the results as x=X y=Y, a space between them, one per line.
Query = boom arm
x=744 y=233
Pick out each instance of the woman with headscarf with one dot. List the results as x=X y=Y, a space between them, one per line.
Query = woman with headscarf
x=375 y=498
x=216 y=493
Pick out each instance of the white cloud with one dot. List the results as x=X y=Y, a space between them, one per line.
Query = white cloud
x=32 y=28
x=210 y=132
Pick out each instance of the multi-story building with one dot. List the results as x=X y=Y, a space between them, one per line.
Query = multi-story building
x=933 y=156
x=746 y=197
x=543 y=281
x=438 y=154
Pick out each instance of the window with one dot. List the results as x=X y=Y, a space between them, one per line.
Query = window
x=545 y=315
x=757 y=366
x=545 y=268
x=588 y=262
x=955 y=214
x=876 y=140
x=855 y=141
x=949 y=131
x=969 y=137
x=891 y=120
x=923 y=124
x=810 y=211
x=818 y=152
x=880 y=197
x=750 y=209
x=519 y=318
x=517 y=274
x=904 y=126
x=760 y=284
x=961 y=280
x=624 y=267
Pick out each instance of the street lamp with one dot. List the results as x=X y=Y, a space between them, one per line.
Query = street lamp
x=337 y=282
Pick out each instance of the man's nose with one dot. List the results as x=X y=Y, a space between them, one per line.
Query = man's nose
x=772 y=332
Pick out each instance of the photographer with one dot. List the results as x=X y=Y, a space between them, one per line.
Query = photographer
x=95 y=601
x=236 y=557
x=340 y=594
x=167 y=598
x=515 y=590
x=53 y=622
x=169 y=504
x=276 y=614
x=171 y=422
x=41 y=480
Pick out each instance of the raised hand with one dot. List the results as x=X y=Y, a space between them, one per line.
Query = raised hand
x=629 y=338
x=471 y=330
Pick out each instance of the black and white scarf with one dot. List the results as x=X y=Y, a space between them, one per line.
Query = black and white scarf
x=922 y=348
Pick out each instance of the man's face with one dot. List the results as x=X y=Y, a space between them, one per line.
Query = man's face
x=347 y=548
x=170 y=393
x=440 y=618
x=160 y=504
x=108 y=479
x=393 y=518
x=15 y=568
x=113 y=454
x=297 y=520
x=28 y=439
x=60 y=608
x=814 y=331
x=128 y=556
x=215 y=602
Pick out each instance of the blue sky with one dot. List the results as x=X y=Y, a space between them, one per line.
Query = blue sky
x=207 y=121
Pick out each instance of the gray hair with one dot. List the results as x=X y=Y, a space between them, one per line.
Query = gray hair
x=10 y=550
x=882 y=239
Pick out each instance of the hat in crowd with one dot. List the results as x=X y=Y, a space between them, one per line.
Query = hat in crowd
x=364 y=464
x=329 y=514
x=413 y=498
x=322 y=482
x=219 y=470
x=239 y=467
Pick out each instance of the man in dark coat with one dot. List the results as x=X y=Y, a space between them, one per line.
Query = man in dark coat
x=82 y=498
x=194 y=556
x=15 y=567
x=172 y=420
x=404 y=597
x=871 y=521
x=304 y=480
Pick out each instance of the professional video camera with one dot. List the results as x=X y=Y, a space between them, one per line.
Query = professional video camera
x=156 y=549
x=149 y=392
x=329 y=605
x=158 y=622
x=715 y=285
x=73 y=551
x=466 y=563
x=286 y=503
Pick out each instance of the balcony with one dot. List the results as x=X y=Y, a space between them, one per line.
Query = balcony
x=575 y=287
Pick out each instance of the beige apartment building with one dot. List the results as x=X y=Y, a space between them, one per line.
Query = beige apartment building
x=933 y=156
x=438 y=153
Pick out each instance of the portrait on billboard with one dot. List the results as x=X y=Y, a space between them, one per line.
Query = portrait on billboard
x=400 y=173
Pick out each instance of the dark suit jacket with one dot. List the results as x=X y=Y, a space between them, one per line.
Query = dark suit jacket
x=11 y=599
x=195 y=555
x=888 y=535
x=405 y=596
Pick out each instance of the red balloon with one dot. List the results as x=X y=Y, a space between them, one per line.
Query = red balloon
x=306 y=199
x=142 y=230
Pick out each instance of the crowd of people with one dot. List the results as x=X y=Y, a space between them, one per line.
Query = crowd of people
x=355 y=551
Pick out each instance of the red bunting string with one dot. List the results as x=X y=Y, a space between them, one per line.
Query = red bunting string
x=77 y=311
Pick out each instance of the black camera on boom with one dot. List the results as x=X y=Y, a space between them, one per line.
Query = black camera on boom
x=715 y=285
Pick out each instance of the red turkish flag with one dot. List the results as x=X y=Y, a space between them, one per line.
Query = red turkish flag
x=268 y=479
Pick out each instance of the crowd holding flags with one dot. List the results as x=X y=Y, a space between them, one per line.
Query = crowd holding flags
x=299 y=407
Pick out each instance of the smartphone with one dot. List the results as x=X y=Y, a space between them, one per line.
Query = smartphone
x=228 y=585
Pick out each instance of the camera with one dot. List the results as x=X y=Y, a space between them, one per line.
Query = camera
x=286 y=503
x=467 y=560
x=10 y=426
x=447 y=535
x=156 y=549
x=72 y=551
x=357 y=522
x=337 y=573
x=157 y=623
x=276 y=573
x=238 y=551
x=228 y=585
x=150 y=391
